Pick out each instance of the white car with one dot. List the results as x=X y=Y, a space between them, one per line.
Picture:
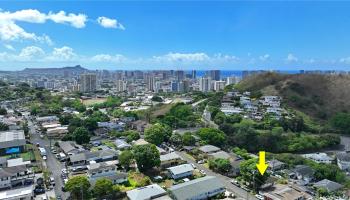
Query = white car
x=202 y=172
x=193 y=165
x=258 y=196
x=64 y=171
x=44 y=158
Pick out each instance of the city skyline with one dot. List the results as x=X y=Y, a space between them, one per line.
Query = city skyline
x=226 y=35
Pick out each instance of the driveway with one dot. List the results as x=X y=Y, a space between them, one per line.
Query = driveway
x=239 y=192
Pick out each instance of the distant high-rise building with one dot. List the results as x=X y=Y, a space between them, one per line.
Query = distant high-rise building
x=88 y=82
x=194 y=74
x=205 y=84
x=186 y=85
x=231 y=80
x=219 y=85
x=150 y=82
x=174 y=86
x=214 y=75
x=180 y=75
x=120 y=85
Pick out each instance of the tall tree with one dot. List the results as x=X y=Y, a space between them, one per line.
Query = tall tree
x=78 y=186
x=147 y=156
x=157 y=133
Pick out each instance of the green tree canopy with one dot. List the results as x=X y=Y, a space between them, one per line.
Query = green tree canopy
x=78 y=186
x=212 y=136
x=157 y=133
x=81 y=135
x=125 y=158
x=102 y=188
x=250 y=174
x=147 y=156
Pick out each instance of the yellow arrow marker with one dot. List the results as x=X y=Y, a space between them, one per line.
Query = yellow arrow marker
x=262 y=166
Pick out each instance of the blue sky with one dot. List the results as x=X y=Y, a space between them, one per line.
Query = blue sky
x=175 y=34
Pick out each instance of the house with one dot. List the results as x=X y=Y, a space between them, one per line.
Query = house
x=330 y=186
x=208 y=149
x=84 y=158
x=169 y=160
x=201 y=188
x=68 y=148
x=343 y=160
x=107 y=170
x=122 y=144
x=57 y=131
x=47 y=119
x=101 y=132
x=14 y=176
x=286 y=192
x=220 y=154
x=140 y=142
x=180 y=171
x=275 y=165
x=23 y=193
x=319 y=157
x=139 y=125
x=303 y=172
x=112 y=125
x=161 y=151
x=12 y=142
x=146 y=193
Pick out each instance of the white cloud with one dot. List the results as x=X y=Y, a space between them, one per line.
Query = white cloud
x=64 y=53
x=9 y=47
x=11 y=31
x=182 y=57
x=75 y=20
x=110 y=23
x=264 y=57
x=108 y=58
x=291 y=58
x=30 y=52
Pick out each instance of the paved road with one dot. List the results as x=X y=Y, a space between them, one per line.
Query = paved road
x=53 y=165
x=242 y=194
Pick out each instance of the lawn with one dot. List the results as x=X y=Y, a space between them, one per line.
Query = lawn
x=90 y=102
x=109 y=144
x=28 y=156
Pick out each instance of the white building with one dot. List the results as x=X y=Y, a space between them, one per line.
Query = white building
x=219 y=85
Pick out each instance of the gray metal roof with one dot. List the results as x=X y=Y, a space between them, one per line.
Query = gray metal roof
x=209 y=148
x=330 y=186
x=147 y=192
x=221 y=154
x=195 y=187
x=181 y=169
x=12 y=171
x=343 y=156
x=67 y=147
x=169 y=156
x=12 y=138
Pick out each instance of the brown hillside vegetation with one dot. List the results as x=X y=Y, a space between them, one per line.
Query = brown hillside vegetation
x=318 y=95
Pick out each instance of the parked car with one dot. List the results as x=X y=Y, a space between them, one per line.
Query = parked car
x=201 y=162
x=202 y=172
x=260 y=197
x=44 y=158
x=52 y=181
x=235 y=182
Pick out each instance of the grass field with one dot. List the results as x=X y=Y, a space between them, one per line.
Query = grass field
x=89 y=102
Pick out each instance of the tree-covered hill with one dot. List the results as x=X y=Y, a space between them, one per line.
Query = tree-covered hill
x=318 y=95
